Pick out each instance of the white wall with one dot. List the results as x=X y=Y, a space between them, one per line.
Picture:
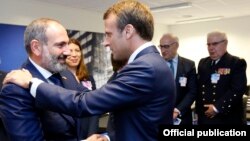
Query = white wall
x=193 y=38
x=22 y=12
x=160 y=29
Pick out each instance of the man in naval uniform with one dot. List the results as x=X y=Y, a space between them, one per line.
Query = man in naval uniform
x=221 y=82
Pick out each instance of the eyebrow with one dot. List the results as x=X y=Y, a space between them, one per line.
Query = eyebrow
x=60 y=43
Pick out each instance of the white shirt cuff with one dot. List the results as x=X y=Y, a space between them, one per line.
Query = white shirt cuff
x=214 y=108
x=107 y=137
x=177 y=111
x=104 y=134
x=35 y=83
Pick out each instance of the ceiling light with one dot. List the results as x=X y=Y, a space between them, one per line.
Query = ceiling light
x=171 y=7
x=199 y=20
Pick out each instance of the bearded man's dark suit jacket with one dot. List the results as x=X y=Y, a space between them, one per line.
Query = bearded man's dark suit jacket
x=2 y=75
x=25 y=122
x=141 y=98
x=226 y=94
x=185 y=95
x=3 y=135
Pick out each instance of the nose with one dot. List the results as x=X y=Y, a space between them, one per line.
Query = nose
x=211 y=47
x=66 y=50
x=105 y=43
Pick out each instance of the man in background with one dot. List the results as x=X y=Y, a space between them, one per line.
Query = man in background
x=184 y=72
x=222 y=83
x=139 y=97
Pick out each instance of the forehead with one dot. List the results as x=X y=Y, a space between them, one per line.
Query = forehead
x=166 y=39
x=110 y=22
x=56 y=33
x=215 y=37
x=72 y=45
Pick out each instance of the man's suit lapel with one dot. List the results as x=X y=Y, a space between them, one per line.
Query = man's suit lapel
x=224 y=59
x=179 y=70
x=208 y=70
x=66 y=84
x=35 y=73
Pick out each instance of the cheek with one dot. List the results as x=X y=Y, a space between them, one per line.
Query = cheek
x=113 y=41
x=220 y=52
x=68 y=61
x=78 y=61
x=79 y=55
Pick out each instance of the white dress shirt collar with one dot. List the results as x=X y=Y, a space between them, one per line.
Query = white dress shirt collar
x=138 y=50
x=175 y=59
x=46 y=74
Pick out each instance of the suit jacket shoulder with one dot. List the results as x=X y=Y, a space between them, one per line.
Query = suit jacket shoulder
x=186 y=63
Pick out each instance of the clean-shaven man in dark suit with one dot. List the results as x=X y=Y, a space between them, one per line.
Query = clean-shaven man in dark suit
x=222 y=83
x=46 y=42
x=140 y=97
x=184 y=72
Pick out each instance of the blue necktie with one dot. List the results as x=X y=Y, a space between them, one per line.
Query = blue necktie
x=56 y=79
x=171 y=66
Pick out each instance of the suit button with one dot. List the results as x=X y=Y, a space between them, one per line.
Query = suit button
x=214 y=93
x=214 y=86
x=203 y=92
x=213 y=100
x=203 y=99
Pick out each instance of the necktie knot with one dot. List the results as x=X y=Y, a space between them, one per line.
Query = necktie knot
x=213 y=63
x=56 y=79
x=171 y=65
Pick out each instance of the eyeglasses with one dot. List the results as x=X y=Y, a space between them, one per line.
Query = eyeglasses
x=166 y=46
x=215 y=43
